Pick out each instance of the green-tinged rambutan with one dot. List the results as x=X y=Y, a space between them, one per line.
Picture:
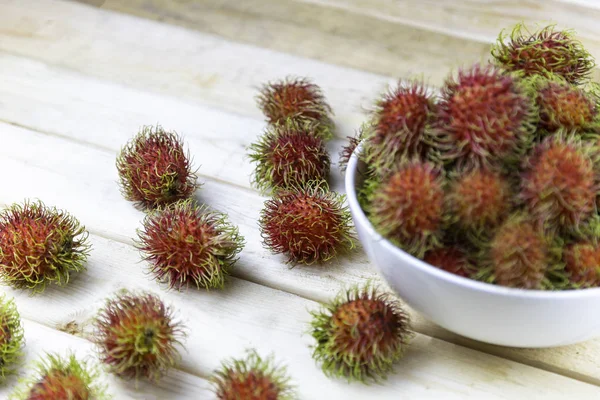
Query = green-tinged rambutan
x=520 y=254
x=252 y=378
x=479 y=200
x=289 y=155
x=582 y=264
x=40 y=245
x=11 y=337
x=188 y=244
x=559 y=185
x=154 y=169
x=543 y=52
x=58 y=378
x=484 y=117
x=137 y=336
x=564 y=106
x=408 y=207
x=308 y=224
x=360 y=335
x=298 y=99
x=400 y=123
x=451 y=259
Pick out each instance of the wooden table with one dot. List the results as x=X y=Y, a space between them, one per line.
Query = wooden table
x=77 y=81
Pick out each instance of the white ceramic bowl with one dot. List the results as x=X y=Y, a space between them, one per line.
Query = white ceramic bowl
x=481 y=311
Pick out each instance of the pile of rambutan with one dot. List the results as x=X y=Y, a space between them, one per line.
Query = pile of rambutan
x=496 y=177
x=304 y=220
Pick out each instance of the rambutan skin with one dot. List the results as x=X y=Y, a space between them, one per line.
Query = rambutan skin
x=58 y=378
x=298 y=99
x=450 y=259
x=582 y=263
x=136 y=336
x=400 y=122
x=409 y=207
x=154 y=169
x=519 y=254
x=559 y=185
x=252 y=378
x=360 y=335
x=353 y=142
x=564 y=106
x=289 y=155
x=40 y=245
x=479 y=199
x=309 y=225
x=544 y=52
x=11 y=337
x=484 y=117
x=186 y=244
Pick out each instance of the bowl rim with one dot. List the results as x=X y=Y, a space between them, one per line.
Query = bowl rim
x=467 y=283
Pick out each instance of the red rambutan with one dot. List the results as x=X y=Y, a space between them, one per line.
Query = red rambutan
x=309 y=225
x=136 y=336
x=57 y=378
x=39 y=245
x=582 y=263
x=252 y=378
x=154 y=169
x=559 y=186
x=544 y=52
x=400 y=122
x=562 y=105
x=360 y=335
x=483 y=116
x=288 y=155
x=479 y=200
x=187 y=244
x=450 y=259
x=408 y=207
x=520 y=254
x=298 y=99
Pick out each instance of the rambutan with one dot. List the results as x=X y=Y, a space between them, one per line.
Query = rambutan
x=400 y=122
x=348 y=149
x=520 y=253
x=559 y=185
x=479 y=200
x=564 y=106
x=582 y=263
x=40 y=245
x=252 y=378
x=58 y=378
x=408 y=207
x=154 y=169
x=137 y=335
x=289 y=155
x=450 y=259
x=360 y=335
x=11 y=337
x=188 y=244
x=308 y=224
x=298 y=99
x=484 y=116
x=543 y=52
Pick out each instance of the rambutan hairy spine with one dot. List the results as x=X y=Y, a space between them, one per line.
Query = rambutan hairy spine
x=189 y=244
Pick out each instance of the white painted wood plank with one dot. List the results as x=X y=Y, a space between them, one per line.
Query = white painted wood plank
x=224 y=323
x=41 y=339
x=48 y=98
x=171 y=60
